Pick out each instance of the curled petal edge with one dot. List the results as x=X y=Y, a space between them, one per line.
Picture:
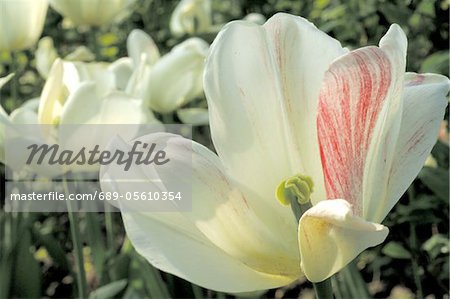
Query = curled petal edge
x=330 y=237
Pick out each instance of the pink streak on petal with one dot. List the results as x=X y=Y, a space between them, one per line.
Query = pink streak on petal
x=352 y=96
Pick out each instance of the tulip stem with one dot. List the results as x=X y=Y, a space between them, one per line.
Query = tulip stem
x=77 y=245
x=354 y=280
x=323 y=289
x=94 y=41
x=414 y=245
x=296 y=191
x=15 y=79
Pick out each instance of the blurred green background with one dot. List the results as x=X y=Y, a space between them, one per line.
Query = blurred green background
x=36 y=251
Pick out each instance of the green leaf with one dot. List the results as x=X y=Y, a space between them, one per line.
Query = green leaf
x=396 y=250
x=118 y=267
x=53 y=247
x=436 y=63
x=110 y=290
x=154 y=284
x=436 y=179
x=436 y=245
x=96 y=242
x=441 y=153
x=26 y=272
x=426 y=8
x=395 y=15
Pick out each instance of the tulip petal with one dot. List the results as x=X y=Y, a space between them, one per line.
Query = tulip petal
x=24 y=115
x=191 y=17
x=140 y=43
x=81 y=53
x=182 y=68
x=226 y=242
x=359 y=111
x=45 y=55
x=385 y=134
x=330 y=237
x=194 y=116
x=5 y=79
x=424 y=102
x=53 y=95
x=122 y=69
x=28 y=17
x=85 y=106
x=92 y=12
x=263 y=103
x=174 y=245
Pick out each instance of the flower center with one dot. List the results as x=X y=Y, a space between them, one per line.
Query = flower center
x=296 y=191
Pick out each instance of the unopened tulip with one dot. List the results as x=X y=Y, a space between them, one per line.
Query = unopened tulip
x=176 y=78
x=46 y=55
x=90 y=12
x=190 y=17
x=21 y=23
x=85 y=93
x=78 y=93
x=295 y=118
x=173 y=80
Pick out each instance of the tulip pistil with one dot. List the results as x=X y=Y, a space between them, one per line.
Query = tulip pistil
x=296 y=191
x=299 y=187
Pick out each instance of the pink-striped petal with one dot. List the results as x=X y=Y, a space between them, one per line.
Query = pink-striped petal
x=359 y=112
x=354 y=91
x=424 y=102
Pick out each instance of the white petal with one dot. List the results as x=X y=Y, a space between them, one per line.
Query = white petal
x=53 y=95
x=256 y=18
x=226 y=227
x=32 y=104
x=172 y=244
x=176 y=78
x=122 y=69
x=90 y=12
x=139 y=43
x=86 y=106
x=262 y=85
x=4 y=121
x=24 y=115
x=190 y=17
x=354 y=91
x=424 y=102
x=194 y=116
x=330 y=237
x=97 y=72
x=80 y=53
x=385 y=134
x=359 y=116
x=45 y=56
x=22 y=22
x=4 y=80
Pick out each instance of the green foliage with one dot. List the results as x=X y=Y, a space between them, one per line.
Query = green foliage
x=396 y=250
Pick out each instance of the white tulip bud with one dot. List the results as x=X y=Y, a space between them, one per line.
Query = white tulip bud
x=191 y=16
x=90 y=12
x=22 y=22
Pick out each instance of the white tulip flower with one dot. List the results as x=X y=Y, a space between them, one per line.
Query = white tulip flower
x=85 y=93
x=172 y=81
x=22 y=22
x=190 y=17
x=294 y=118
x=46 y=55
x=90 y=12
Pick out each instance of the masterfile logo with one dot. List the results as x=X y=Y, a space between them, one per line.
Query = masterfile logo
x=47 y=166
